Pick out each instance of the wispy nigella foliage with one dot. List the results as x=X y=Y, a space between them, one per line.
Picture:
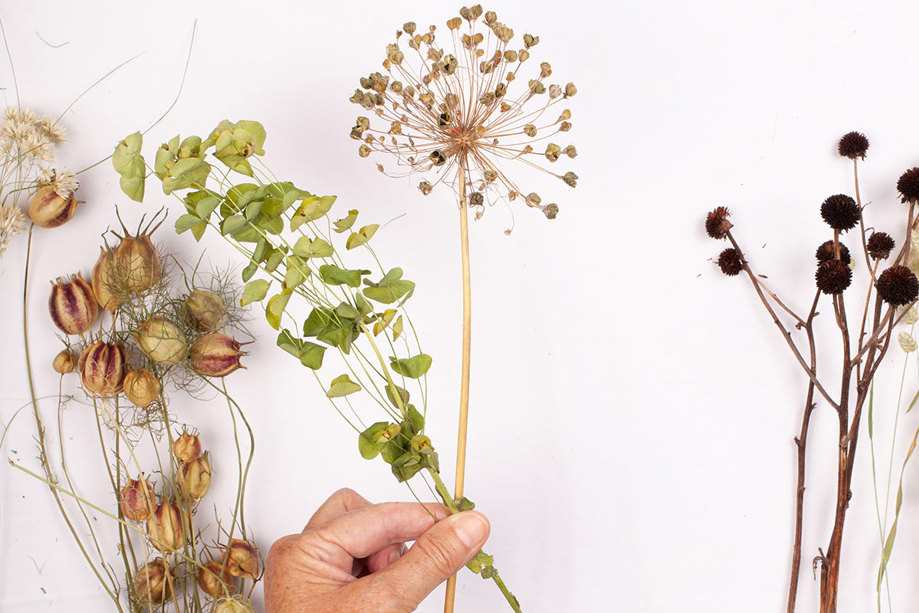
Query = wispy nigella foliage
x=458 y=113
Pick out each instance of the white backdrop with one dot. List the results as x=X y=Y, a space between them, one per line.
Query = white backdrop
x=632 y=409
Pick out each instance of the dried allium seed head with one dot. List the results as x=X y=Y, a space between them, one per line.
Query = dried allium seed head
x=717 y=224
x=452 y=111
x=137 y=499
x=142 y=387
x=908 y=185
x=840 y=212
x=898 y=285
x=827 y=251
x=880 y=244
x=153 y=583
x=72 y=305
x=102 y=368
x=166 y=527
x=63 y=362
x=214 y=579
x=833 y=277
x=853 y=145
x=187 y=448
x=730 y=262
x=243 y=560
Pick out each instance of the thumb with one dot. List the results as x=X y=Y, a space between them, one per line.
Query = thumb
x=437 y=555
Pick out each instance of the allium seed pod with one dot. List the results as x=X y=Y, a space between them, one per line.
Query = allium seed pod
x=215 y=355
x=162 y=341
x=49 y=210
x=104 y=280
x=879 y=245
x=187 y=448
x=898 y=285
x=827 y=251
x=139 y=262
x=237 y=604
x=63 y=362
x=206 y=310
x=102 y=368
x=833 y=276
x=195 y=478
x=137 y=500
x=142 y=387
x=152 y=584
x=214 y=580
x=243 y=560
x=853 y=145
x=717 y=224
x=72 y=305
x=166 y=528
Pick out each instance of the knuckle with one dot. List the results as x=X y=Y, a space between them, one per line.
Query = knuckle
x=439 y=554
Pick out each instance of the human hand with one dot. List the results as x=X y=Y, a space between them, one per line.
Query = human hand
x=351 y=556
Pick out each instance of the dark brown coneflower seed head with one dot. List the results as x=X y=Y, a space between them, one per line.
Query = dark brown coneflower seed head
x=833 y=277
x=908 y=185
x=840 y=212
x=880 y=244
x=853 y=145
x=730 y=262
x=827 y=252
x=898 y=285
x=717 y=224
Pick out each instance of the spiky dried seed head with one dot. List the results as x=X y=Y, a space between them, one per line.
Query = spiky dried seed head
x=880 y=244
x=730 y=262
x=898 y=285
x=853 y=145
x=833 y=277
x=908 y=185
x=717 y=224
x=827 y=251
x=840 y=212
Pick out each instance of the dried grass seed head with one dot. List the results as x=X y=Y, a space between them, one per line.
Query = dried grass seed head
x=443 y=108
x=833 y=277
x=853 y=145
x=730 y=262
x=840 y=212
x=12 y=222
x=908 y=185
x=879 y=245
x=827 y=251
x=717 y=224
x=898 y=286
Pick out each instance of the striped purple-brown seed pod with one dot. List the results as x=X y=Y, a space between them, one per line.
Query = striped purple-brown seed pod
x=73 y=305
x=102 y=368
x=49 y=209
x=215 y=355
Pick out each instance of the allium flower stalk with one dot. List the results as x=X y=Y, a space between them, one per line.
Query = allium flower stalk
x=459 y=114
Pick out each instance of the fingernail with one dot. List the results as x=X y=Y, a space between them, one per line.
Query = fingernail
x=471 y=528
x=393 y=557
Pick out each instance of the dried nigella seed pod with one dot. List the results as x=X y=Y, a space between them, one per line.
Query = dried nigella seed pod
x=105 y=281
x=166 y=527
x=215 y=580
x=152 y=584
x=833 y=276
x=187 y=448
x=237 y=604
x=162 y=341
x=138 y=262
x=72 y=305
x=137 y=499
x=49 y=209
x=102 y=368
x=142 y=387
x=827 y=251
x=730 y=262
x=898 y=285
x=880 y=244
x=206 y=310
x=64 y=362
x=215 y=355
x=853 y=145
x=243 y=560
x=195 y=478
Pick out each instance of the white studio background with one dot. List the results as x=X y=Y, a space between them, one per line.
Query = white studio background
x=632 y=409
